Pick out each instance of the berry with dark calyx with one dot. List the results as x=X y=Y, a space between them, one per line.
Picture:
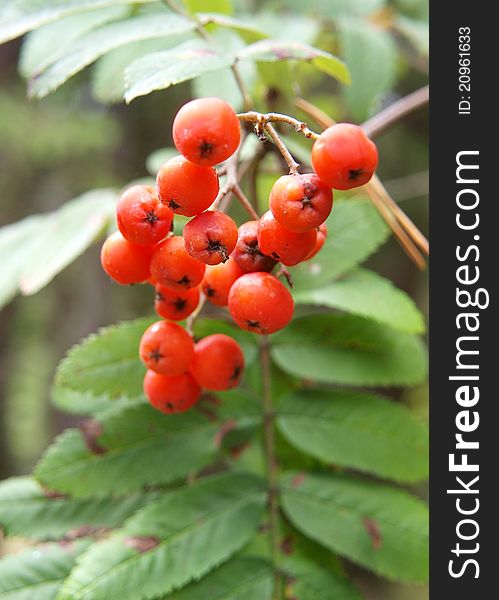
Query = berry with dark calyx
x=175 y=304
x=321 y=240
x=171 y=394
x=218 y=362
x=206 y=131
x=210 y=237
x=344 y=157
x=124 y=262
x=300 y=202
x=218 y=280
x=260 y=303
x=247 y=252
x=172 y=266
x=185 y=188
x=288 y=247
x=141 y=217
x=166 y=348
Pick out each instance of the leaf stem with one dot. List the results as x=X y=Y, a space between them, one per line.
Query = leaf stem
x=200 y=28
x=271 y=464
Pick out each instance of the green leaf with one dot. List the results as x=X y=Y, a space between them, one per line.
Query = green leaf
x=37 y=248
x=382 y=528
x=127 y=450
x=355 y=430
x=245 y=578
x=371 y=55
x=356 y=230
x=108 y=75
x=311 y=582
x=171 y=542
x=332 y=9
x=29 y=511
x=17 y=242
x=278 y=50
x=106 y=362
x=37 y=573
x=247 y=30
x=362 y=292
x=349 y=350
x=97 y=43
x=416 y=32
x=20 y=16
x=223 y=7
x=160 y=70
x=44 y=46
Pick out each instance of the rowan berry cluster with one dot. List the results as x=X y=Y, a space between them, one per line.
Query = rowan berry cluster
x=230 y=266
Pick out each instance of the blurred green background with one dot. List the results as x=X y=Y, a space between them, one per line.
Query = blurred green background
x=57 y=148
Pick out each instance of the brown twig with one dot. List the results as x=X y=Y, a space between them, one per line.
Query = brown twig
x=263 y=118
x=396 y=111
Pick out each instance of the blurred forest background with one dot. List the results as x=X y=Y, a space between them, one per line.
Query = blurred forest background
x=57 y=148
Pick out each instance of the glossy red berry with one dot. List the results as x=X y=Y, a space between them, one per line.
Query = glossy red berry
x=218 y=280
x=174 y=304
x=210 y=237
x=141 y=217
x=166 y=348
x=344 y=157
x=206 y=131
x=321 y=240
x=171 y=394
x=218 y=362
x=284 y=245
x=125 y=262
x=185 y=188
x=259 y=302
x=300 y=202
x=247 y=252
x=172 y=266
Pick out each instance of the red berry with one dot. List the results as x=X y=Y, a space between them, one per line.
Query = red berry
x=259 y=302
x=166 y=348
x=284 y=245
x=210 y=237
x=218 y=362
x=125 y=262
x=174 y=304
x=344 y=157
x=247 y=252
x=185 y=188
x=321 y=240
x=300 y=202
x=171 y=394
x=206 y=131
x=141 y=217
x=173 y=267
x=218 y=280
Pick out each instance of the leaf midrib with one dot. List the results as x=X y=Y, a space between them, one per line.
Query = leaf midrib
x=183 y=531
x=331 y=503
x=123 y=449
